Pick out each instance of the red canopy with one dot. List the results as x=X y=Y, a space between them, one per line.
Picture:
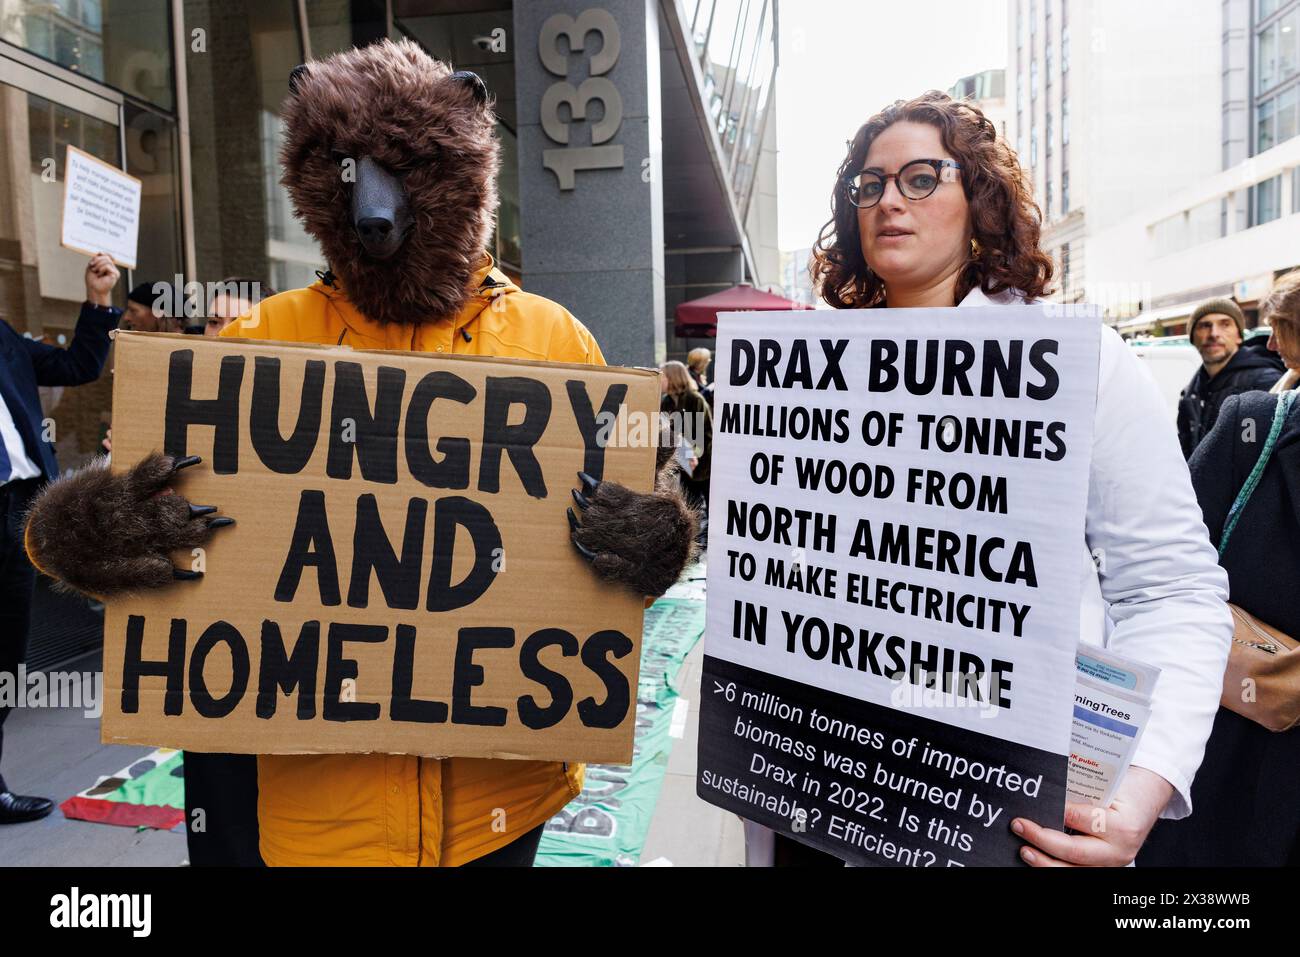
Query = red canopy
x=699 y=317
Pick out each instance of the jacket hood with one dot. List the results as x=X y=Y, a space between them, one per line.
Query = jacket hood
x=433 y=129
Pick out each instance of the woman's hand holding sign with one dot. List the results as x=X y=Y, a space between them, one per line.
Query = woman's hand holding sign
x=1109 y=837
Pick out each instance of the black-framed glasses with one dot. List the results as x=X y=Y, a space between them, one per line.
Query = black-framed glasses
x=916 y=180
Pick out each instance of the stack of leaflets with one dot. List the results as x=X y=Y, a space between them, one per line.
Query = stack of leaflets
x=1112 y=702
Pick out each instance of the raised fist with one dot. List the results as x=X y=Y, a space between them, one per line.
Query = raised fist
x=101 y=277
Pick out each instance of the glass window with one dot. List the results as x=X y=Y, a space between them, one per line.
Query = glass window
x=1265 y=201
x=235 y=90
x=1287 y=43
x=1265 y=129
x=508 y=251
x=1266 y=58
x=740 y=68
x=1065 y=122
x=1285 y=115
x=1048 y=208
x=1065 y=49
x=1065 y=192
x=1033 y=147
x=47 y=288
x=1266 y=8
x=337 y=25
x=151 y=155
x=126 y=43
x=1033 y=79
x=700 y=22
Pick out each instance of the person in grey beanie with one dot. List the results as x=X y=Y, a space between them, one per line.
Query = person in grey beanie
x=1228 y=368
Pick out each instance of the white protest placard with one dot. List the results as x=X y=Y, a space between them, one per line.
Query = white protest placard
x=101 y=208
x=896 y=556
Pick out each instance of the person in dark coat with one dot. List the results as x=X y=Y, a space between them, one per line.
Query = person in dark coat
x=1228 y=368
x=1246 y=795
x=27 y=462
x=681 y=400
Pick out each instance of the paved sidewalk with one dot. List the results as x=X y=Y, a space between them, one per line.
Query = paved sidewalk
x=684 y=830
x=55 y=752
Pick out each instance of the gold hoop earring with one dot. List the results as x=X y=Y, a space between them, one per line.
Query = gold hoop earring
x=974 y=248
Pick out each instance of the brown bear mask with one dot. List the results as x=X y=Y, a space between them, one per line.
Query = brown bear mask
x=391 y=161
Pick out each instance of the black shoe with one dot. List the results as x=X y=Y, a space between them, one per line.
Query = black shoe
x=17 y=808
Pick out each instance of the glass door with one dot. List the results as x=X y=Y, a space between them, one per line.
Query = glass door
x=41 y=283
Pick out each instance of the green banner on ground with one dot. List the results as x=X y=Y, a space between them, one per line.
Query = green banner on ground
x=606 y=825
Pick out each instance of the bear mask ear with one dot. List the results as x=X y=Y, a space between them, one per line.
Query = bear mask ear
x=298 y=72
x=474 y=82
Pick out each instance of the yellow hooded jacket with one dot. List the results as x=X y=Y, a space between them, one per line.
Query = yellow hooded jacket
x=393 y=809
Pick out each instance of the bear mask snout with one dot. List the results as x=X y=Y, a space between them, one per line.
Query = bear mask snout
x=380 y=213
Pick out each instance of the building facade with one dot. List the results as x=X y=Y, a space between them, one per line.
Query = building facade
x=1115 y=106
x=619 y=198
x=658 y=188
x=1234 y=232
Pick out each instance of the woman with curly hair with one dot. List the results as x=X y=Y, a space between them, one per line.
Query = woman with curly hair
x=930 y=208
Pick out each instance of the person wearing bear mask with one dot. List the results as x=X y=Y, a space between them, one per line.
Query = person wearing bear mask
x=390 y=158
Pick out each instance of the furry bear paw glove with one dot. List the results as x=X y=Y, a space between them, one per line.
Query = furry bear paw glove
x=642 y=540
x=106 y=533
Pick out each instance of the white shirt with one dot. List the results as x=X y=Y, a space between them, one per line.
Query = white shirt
x=20 y=464
x=1157 y=593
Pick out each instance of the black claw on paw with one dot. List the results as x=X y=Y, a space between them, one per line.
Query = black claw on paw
x=577 y=497
x=185 y=574
x=221 y=522
x=186 y=462
x=588 y=483
x=197 y=510
x=573 y=520
x=583 y=550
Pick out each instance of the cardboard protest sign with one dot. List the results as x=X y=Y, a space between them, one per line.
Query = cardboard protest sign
x=101 y=208
x=896 y=555
x=400 y=577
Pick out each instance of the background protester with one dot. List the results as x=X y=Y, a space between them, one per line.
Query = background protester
x=691 y=416
x=235 y=297
x=1284 y=319
x=931 y=208
x=1245 y=794
x=27 y=462
x=697 y=362
x=148 y=310
x=1228 y=368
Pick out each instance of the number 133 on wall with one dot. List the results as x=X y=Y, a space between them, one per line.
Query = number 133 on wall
x=565 y=161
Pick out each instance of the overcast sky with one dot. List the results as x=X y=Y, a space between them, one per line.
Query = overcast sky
x=841 y=61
